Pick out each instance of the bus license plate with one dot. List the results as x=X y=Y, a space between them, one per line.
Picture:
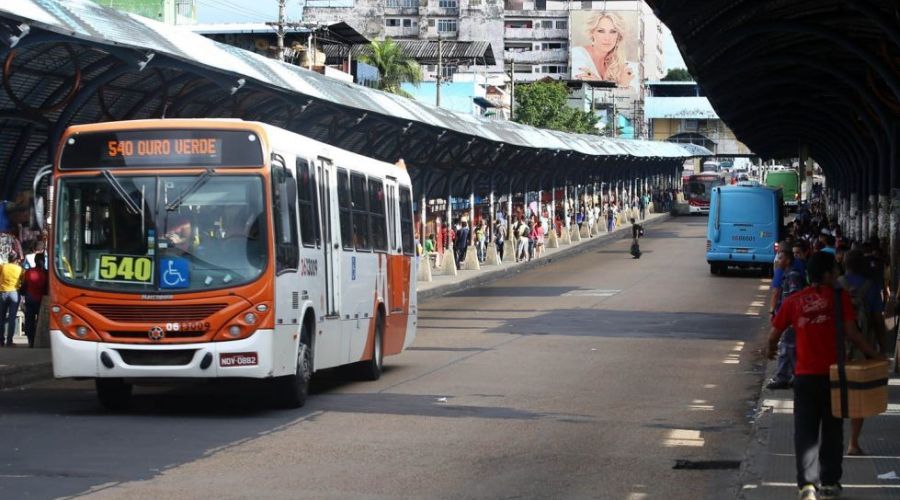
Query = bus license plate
x=238 y=359
x=742 y=250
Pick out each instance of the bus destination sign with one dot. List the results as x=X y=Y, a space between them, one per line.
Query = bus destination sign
x=162 y=148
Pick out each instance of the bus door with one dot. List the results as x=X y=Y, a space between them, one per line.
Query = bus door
x=331 y=238
x=395 y=250
x=287 y=253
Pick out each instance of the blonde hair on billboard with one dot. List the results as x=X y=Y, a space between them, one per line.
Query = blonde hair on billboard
x=615 y=60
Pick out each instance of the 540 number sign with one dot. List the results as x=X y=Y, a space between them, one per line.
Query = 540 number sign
x=125 y=268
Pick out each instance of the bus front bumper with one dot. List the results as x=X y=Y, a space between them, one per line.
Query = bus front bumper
x=747 y=259
x=249 y=358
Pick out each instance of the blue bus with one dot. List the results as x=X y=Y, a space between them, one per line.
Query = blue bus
x=745 y=223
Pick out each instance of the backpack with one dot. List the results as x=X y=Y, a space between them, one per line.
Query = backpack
x=520 y=229
x=858 y=299
x=792 y=282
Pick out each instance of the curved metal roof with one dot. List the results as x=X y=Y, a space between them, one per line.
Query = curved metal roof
x=824 y=74
x=77 y=62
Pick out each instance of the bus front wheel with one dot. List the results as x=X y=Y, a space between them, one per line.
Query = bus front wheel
x=291 y=391
x=114 y=394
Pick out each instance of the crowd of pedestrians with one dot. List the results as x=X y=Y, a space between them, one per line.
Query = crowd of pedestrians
x=528 y=228
x=825 y=282
x=23 y=285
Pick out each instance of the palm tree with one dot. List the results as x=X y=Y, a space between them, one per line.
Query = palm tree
x=393 y=65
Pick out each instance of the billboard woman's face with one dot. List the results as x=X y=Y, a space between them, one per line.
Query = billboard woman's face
x=605 y=35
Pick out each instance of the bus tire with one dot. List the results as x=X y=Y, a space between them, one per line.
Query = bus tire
x=290 y=391
x=114 y=394
x=371 y=369
x=713 y=268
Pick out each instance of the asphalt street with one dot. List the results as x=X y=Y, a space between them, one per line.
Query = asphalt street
x=595 y=376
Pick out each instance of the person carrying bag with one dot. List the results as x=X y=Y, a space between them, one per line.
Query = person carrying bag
x=813 y=313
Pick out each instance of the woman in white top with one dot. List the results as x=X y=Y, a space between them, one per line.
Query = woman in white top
x=604 y=58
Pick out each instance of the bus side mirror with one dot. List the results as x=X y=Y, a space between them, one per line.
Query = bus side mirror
x=38 y=204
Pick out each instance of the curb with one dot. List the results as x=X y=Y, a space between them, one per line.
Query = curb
x=506 y=270
x=18 y=375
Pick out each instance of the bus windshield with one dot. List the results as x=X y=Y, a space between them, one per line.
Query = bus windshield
x=175 y=233
x=699 y=187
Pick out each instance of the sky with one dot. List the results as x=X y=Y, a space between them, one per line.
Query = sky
x=237 y=11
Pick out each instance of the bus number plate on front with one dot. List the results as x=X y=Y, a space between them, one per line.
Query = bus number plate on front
x=238 y=359
x=125 y=268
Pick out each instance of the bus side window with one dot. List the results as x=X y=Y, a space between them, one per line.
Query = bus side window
x=376 y=211
x=284 y=211
x=306 y=197
x=360 y=200
x=343 y=186
x=406 y=220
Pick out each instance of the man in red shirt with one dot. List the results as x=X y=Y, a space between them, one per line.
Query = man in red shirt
x=34 y=286
x=811 y=312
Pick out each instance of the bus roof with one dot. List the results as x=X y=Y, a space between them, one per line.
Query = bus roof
x=746 y=188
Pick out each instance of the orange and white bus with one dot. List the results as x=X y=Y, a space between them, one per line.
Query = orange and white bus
x=215 y=248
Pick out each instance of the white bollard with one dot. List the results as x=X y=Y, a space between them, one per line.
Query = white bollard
x=576 y=233
x=424 y=272
x=491 y=257
x=471 y=263
x=566 y=238
x=585 y=231
x=448 y=263
x=552 y=239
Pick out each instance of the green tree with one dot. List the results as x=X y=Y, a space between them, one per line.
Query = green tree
x=394 y=67
x=543 y=105
x=678 y=75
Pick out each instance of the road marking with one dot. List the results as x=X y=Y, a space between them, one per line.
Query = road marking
x=684 y=437
x=591 y=293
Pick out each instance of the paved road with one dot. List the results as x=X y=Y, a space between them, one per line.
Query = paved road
x=590 y=377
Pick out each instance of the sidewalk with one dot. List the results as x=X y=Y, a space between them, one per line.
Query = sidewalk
x=442 y=285
x=768 y=471
x=21 y=365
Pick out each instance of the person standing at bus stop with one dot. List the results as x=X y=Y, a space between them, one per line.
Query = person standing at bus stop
x=10 y=280
x=34 y=287
x=818 y=435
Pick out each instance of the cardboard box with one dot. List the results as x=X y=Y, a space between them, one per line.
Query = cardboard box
x=866 y=389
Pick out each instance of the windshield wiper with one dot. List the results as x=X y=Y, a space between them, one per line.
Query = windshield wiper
x=198 y=183
x=123 y=194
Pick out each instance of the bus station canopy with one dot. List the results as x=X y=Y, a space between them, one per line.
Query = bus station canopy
x=78 y=62
x=815 y=75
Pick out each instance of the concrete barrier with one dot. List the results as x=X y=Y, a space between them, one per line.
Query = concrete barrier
x=424 y=272
x=471 y=263
x=552 y=239
x=491 y=257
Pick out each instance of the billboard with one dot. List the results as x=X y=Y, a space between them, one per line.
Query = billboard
x=604 y=46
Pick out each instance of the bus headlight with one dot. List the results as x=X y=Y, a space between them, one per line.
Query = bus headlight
x=71 y=325
x=246 y=323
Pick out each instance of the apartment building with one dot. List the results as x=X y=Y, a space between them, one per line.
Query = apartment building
x=178 y=12
x=531 y=38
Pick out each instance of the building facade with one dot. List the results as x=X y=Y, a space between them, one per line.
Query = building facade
x=532 y=39
x=679 y=112
x=165 y=11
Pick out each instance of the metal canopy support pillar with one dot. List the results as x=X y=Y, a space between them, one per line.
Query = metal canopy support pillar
x=509 y=248
x=566 y=237
x=552 y=239
x=491 y=257
x=448 y=262
x=471 y=263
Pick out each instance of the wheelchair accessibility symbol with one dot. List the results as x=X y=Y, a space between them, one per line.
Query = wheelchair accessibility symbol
x=174 y=273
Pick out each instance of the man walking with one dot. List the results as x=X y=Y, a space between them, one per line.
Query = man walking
x=818 y=436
